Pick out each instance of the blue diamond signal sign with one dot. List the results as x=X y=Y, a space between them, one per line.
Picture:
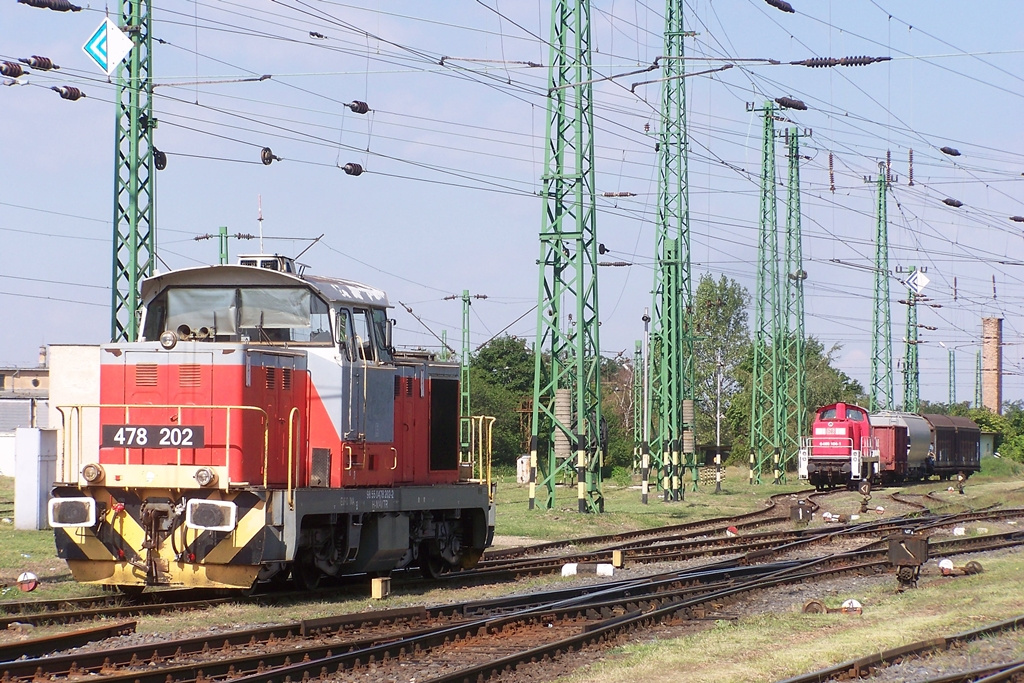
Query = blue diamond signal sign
x=917 y=281
x=108 y=46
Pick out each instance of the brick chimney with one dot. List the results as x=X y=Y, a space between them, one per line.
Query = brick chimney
x=992 y=364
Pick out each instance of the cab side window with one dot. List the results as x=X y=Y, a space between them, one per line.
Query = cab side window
x=344 y=339
x=363 y=334
x=380 y=330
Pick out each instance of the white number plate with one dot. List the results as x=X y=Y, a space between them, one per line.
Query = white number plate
x=153 y=436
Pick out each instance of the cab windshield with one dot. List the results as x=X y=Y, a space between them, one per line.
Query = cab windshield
x=254 y=314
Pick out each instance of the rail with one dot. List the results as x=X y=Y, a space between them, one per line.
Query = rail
x=74 y=424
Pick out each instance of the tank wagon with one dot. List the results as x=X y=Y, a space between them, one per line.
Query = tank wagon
x=264 y=427
x=848 y=446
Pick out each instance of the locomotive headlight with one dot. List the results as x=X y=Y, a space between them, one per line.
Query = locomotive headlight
x=205 y=476
x=92 y=473
x=168 y=339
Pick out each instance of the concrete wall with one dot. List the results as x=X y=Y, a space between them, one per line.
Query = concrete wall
x=7 y=467
x=36 y=460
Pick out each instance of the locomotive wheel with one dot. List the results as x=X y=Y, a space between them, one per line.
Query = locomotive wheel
x=432 y=566
x=305 y=574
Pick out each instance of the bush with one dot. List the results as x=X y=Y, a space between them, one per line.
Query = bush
x=1013 y=448
x=622 y=476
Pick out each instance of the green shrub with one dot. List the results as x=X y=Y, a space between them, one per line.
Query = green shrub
x=622 y=476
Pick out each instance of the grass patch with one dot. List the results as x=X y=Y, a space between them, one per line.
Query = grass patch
x=775 y=646
x=623 y=509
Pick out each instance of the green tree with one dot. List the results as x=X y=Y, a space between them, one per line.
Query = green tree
x=501 y=379
x=617 y=411
x=721 y=335
x=825 y=384
x=508 y=361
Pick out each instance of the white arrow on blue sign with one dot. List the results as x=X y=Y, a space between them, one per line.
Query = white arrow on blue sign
x=108 y=46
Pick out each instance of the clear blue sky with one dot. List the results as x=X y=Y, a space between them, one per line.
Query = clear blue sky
x=454 y=153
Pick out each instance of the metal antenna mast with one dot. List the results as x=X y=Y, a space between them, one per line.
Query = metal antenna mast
x=134 y=181
x=638 y=408
x=881 y=394
x=568 y=360
x=911 y=385
x=466 y=421
x=764 y=413
x=793 y=381
x=952 y=377
x=672 y=334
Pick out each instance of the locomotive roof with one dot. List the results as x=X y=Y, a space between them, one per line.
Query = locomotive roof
x=330 y=288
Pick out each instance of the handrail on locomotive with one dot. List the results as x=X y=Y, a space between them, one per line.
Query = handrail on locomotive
x=72 y=458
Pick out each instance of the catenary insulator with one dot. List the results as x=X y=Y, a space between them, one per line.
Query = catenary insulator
x=831 y=174
x=359 y=107
x=910 y=162
x=55 y=5
x=782 y=5
x=11 y=69
x=68 y=92
x=353 y=168
x=950 y=151
x=267 y=156
x=1017 y=219
x=817 y=62
x=861 y=60
x=159 y=159
x=955 y=203
x=790 y=103
x=41 y=63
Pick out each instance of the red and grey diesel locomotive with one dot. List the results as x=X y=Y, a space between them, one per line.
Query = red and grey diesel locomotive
x=847 y=446
x=264 y=426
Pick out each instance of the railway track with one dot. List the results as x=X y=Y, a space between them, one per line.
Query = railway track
x=863 y=667
x=465 y=641
x=676 y=544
